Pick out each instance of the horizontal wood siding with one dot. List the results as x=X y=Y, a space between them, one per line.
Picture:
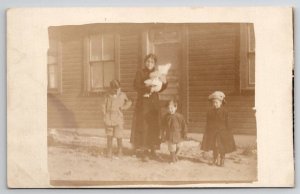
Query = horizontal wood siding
x=130 y=60
x=213 y=65
x=72 y=108
x=211 y=57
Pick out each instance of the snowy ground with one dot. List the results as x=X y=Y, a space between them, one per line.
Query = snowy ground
x=74 y=156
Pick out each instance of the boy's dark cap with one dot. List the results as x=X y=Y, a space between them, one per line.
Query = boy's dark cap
x=115 y=84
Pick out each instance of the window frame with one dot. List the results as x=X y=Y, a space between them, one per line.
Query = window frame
x=87 y=63
x=57 y=54
x=247 y=50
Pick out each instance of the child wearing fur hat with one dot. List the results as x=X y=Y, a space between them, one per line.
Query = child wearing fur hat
x=217 y=136
x=115 y=101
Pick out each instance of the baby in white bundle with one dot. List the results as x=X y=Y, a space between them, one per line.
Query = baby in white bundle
x=155 y=78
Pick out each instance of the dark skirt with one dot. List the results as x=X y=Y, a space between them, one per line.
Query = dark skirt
x=223 y=140
x=145 y=133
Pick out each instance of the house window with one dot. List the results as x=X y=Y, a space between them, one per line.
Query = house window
x=161 y=35
x=101 y=64
x=251 y=55
x=247 y=57
x=54 y=66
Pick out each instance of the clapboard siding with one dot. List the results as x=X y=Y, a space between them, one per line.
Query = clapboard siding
x=170 y=53
x=208 y=60
x=71 y=108
x=212 y=63
x=129 y=63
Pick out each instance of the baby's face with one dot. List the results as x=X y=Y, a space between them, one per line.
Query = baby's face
x=150 y=63
x=216 y=103
x=172 y=109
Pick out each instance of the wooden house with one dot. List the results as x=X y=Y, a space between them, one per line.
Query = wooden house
x=205 y=57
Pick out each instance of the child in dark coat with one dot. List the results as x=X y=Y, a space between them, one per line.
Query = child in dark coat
x=115 y=101
x=218 y=136
x=174 y=130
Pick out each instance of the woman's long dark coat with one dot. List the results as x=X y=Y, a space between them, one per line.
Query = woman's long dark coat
x=146 y=127
x=218 y=132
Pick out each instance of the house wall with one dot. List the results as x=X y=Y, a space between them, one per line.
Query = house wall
x=212 y=62
x=72 y=107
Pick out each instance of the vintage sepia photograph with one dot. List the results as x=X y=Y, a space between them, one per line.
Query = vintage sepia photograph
x=151 y=103
x=100 y=98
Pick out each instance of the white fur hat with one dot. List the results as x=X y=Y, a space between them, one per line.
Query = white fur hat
x=217 y=95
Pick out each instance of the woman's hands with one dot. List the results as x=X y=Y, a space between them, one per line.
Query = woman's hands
x=163 y=78
x=152 y=90
x=148 y=84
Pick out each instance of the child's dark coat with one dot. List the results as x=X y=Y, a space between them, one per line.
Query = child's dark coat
x=175 y=127
x=217 y=129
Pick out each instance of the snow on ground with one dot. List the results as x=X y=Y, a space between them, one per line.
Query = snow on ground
x=73 y=156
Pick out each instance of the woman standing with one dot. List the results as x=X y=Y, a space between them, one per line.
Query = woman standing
x=145 y=134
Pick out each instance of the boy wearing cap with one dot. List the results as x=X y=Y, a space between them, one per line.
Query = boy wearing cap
x=115 y=101
x=217 y=136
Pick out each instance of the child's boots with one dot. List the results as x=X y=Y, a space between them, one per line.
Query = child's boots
x=120 y=147
x=176 y=153
x=218 y=160
x=222 y=159
x=215 y=158
x=145 y=155
x=173 y=157
x=109 y=147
